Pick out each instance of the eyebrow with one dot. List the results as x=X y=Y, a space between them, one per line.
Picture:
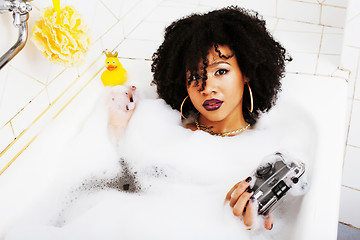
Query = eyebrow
x=218 y=63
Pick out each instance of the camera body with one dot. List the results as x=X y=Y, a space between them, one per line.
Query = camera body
x=273 y=180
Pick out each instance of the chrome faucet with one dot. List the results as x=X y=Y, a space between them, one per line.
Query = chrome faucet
x=20 y=9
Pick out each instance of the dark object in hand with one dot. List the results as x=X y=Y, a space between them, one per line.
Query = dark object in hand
x=273 y=180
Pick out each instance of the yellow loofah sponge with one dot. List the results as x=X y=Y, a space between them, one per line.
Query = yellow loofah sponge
x=62 y=36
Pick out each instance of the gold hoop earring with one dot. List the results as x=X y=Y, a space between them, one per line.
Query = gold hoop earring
x=251 y=99
x=181 y=107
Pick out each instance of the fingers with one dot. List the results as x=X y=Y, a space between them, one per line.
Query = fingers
x=268 y=224
x=238 y=191
x=241 y=202
x=239 y=199
x=228 y=195
x=250 y=213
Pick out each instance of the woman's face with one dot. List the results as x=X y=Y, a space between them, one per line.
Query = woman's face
x=222 y=96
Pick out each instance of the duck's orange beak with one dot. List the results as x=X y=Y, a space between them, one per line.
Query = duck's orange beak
x=111 y=67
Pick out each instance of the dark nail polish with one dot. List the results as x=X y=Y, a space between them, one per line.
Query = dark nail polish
x=249 y=190
x=248 y=179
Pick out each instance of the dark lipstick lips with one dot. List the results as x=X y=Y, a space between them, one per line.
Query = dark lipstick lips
x=212 y=104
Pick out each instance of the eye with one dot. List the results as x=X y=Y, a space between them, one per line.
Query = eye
x=113 y=62
x=221 y=72
x=107 y=62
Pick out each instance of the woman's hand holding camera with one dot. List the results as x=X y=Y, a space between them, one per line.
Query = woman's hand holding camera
x=244 y=206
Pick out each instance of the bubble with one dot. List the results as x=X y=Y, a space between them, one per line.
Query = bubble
x=159 y=180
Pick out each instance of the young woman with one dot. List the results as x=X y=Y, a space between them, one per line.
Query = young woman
x=221 y=69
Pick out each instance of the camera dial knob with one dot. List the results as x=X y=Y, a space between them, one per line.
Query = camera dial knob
x=265 y=171
x=295 y=180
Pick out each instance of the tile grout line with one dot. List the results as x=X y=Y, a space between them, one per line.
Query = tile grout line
x=45 y=89
x=28 y=75
x=320 y=3
x=38 y=94
x=352 y=101
x=353 y=146
x=318 y=53
x=301 y=21
x=12 y=129
x=349 y=225
x=321 y=12
x=77 y=93
x=355 y=189
x=126 y=36
x=54 y=117
x=317 y=74
x=46 y=109
x=351 y=19
x=112 y=13
x=142 y=20
x=17 y=155
x=26 y=105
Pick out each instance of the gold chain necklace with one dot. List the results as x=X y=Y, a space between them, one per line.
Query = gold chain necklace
x=225 y=134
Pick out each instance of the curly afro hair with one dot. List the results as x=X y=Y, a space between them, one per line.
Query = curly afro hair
x=187 y=43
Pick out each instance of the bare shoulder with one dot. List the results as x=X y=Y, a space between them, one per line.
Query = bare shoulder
x=191 y=126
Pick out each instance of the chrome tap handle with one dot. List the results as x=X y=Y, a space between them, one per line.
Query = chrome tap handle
x=20 y=9
x=16 y=6
x=5 y=6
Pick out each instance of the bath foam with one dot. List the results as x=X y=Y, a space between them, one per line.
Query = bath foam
x=184 y=201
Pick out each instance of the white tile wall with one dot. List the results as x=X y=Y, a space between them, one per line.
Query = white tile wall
x=294 y=26
x=331 y=43
x=349 y=212
x=350 y=60
x=299 y=11
x=352 y=157
x=328 y=13
x=148 y=30
x=134 y=28
x=18 y=91
x=357 y=88
x=137 y=14
x=138 y=48
x=327 y=64
x=56 y=87
x=27 y=116
x=169 y=14
x=264 y=7
x=7 y=136
x=113 y=37
x=336 y=3
x=290 y=40
x=303 y=63
x=354 y=132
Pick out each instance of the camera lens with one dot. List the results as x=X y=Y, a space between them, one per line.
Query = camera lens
x=265 y=171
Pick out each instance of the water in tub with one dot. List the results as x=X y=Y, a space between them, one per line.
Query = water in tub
x=158 y=180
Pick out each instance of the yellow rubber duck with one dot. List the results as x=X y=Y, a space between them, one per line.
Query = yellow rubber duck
x=114 y=74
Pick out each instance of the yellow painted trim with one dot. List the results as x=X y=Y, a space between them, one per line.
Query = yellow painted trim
x=55 y=116
x=36 y=119
x=349 y=225
x=17 y=155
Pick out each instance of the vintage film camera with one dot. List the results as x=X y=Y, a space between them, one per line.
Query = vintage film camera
x=273 y=180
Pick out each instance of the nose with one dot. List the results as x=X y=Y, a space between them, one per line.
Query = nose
x=211 y=86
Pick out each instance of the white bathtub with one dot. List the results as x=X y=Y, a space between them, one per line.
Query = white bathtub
x=323 y=97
